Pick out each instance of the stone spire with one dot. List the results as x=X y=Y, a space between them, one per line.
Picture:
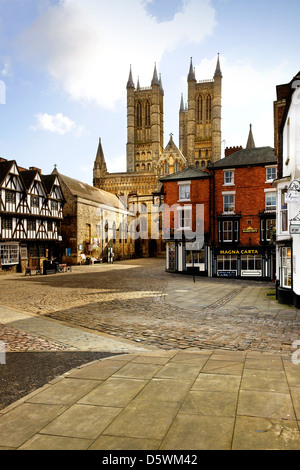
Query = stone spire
x=181 y=104
x=218 y=72
x=250 y=143
x=100 y=169
x=130 y=83
x=160 y=84
x=155 y=80
x=191 y=75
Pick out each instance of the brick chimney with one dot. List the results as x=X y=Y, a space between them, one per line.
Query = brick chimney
x=231 y=150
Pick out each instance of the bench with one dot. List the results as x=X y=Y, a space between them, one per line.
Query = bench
x=63 y=268
x=30 y=269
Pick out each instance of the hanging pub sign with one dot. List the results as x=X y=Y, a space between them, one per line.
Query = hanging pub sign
x=292 y=197
x=295 y=227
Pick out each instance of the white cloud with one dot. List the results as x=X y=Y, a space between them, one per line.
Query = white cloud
x=57 y=124
x=87 y=45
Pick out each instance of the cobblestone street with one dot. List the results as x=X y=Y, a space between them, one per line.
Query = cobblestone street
x=137 y=301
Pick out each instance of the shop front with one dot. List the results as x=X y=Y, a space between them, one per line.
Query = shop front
x=187 y=258
x=244 y=262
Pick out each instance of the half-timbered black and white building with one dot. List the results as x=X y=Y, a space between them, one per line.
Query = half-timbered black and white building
x=31 y=210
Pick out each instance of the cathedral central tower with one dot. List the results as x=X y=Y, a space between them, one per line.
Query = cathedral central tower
x=145 y=124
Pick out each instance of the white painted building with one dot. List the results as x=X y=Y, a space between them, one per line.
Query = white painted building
x=288 y=200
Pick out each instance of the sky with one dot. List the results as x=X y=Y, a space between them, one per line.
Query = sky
x=64 y=66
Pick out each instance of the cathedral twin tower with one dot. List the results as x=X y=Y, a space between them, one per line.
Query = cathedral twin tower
x=199 y=132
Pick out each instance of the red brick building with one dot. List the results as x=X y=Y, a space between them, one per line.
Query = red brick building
x=244 y=214
x=236 y=221
x=186 y=220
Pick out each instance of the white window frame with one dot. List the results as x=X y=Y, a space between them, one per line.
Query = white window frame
x=183 y=194
x=183 y=217
x=270 y=208
x=226 y=182
x=256 y=259
x=9 y=254
x=225 y=194
x=231 y=259
x=273 y=167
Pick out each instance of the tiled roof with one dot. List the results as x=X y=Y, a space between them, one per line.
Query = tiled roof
x=186 y=174
x=248 y=157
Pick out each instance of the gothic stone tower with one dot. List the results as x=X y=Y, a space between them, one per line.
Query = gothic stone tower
x=200 y=121
x=145 y=124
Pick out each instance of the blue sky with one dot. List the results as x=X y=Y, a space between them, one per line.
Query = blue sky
x=65 y=63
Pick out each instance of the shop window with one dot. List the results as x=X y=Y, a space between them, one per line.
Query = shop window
x=226 y=264
x=195 y=258
x=251 y=265
x=286 y=267
x=9 y=254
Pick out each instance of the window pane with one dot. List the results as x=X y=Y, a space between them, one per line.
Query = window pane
x=228 y=177
x=271 y=201
x=184 y=191
x=228 y=203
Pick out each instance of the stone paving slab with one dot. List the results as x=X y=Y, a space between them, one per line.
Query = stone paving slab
x=33 y=333
x=172 y=400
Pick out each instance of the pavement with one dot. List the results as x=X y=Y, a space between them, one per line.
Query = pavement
x=152 y=399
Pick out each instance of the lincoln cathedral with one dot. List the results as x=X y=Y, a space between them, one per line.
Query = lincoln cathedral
x=147 y=157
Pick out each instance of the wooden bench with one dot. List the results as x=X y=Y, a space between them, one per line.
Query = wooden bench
x=30 y=269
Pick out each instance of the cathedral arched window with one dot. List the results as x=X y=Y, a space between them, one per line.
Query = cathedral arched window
x=199 y=109
x=208 y=108
x=144 y=225
x=139 y=115
x=143 y=167
x=138 y=167
x=149 y=167
x=197 y=164
x=166 y=168
x=147 y=114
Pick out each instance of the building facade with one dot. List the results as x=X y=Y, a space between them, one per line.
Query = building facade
x=236 y=211
x=96 y=227
x=244 y=214
x=31 y=212
x=186 y=221
x=147 y=157
x=287 y=134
